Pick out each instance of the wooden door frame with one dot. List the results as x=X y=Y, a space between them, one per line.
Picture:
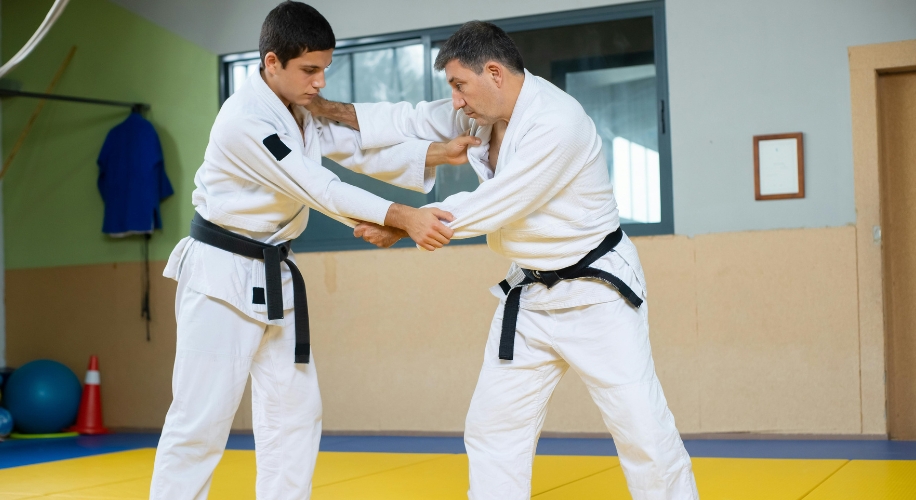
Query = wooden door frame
x=866 y=63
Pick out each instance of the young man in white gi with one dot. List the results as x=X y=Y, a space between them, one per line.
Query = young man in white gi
x=545 y=202
x=240 y=311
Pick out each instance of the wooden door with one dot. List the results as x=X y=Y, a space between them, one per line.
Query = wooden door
x=897 y=156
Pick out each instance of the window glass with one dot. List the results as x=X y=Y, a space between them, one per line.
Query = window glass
x=239 y=72
x=338 y=79
x=621 y=102
x=387 y=74
x=609 y=67
x=441 y=88
x=391 y=74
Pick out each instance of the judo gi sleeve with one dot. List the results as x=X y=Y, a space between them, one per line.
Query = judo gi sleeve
x=165 y=186
x=264 y=155
x=547 y=159
x=402 y=165
x=385 y=124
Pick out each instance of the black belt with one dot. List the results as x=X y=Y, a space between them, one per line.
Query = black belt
x=578 y=270
x=209 y=233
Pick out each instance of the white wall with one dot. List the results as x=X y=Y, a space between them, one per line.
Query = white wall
x=736 y=69
x=739 y=69
x=235 y=26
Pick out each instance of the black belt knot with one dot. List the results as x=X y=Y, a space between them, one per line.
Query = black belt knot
x=578 y=270
x=211 y=234
x=549 y=278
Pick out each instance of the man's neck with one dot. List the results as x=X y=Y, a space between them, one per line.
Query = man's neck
x=514 y=85
x=272 y=86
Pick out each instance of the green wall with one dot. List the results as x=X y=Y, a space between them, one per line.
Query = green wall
x=52 y=207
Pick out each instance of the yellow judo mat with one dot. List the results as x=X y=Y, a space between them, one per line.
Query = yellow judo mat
x=411 y=476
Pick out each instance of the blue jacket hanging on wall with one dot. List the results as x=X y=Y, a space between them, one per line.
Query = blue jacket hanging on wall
x=132 y=178
x=132 y=181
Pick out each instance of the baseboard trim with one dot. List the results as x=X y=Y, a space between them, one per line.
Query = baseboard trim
x=767 y=436
x=136 y=430
x=603 y=435
x=750 y=436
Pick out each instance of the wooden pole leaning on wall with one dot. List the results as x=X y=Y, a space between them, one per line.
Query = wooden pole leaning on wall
x=41 y=104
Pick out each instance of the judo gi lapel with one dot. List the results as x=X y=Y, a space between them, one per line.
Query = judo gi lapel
x=522 y=104
x=274 y=105
x=306 y=139
x=476 y=153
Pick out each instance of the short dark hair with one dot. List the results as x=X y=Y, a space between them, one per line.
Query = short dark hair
x=477 y=42
x=293 y=28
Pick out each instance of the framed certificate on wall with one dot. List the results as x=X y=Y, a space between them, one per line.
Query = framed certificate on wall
x=779 y=166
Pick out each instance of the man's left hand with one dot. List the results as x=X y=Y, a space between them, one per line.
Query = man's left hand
x=380 y=236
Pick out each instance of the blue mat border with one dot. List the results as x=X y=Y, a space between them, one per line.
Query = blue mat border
x=15 y=453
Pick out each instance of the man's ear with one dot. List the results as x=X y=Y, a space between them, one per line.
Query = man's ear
x=270 y=63
x=495 y=71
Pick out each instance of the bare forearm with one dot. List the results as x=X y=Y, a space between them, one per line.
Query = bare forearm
x=335 y=111
x=398 y=215
x=454 y=152
x=436 y=154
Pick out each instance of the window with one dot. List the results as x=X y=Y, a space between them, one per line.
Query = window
x=635 y=171
x=239 y=71
x=611 y=59
x=390 y=71
x=613 y=63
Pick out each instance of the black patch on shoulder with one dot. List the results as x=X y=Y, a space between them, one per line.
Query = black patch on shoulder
x=276 y=147
x=258 y=296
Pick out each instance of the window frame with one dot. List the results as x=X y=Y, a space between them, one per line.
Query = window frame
x=654 y=9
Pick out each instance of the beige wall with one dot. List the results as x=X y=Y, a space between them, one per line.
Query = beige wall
x=752 y=332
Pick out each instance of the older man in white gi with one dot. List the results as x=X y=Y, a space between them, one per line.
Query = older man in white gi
x=240 y=311
x=575 y=293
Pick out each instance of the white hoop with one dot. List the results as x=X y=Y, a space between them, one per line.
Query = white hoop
x=33 y=42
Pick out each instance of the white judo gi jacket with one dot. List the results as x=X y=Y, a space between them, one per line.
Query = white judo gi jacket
x=545 y=204
x=260 y=176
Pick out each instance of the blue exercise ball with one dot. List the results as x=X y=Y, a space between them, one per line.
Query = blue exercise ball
x=43 y=397
x=6 y=423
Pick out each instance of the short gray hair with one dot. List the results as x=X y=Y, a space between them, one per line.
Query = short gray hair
x=477 y=42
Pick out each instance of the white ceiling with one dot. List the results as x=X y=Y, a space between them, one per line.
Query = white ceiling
x=233 y=25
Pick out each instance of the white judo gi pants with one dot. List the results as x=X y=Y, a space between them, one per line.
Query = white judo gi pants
x=217 y=349
x=607 y=344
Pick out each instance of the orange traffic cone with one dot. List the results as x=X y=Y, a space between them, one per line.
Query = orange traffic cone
x=89 y=420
